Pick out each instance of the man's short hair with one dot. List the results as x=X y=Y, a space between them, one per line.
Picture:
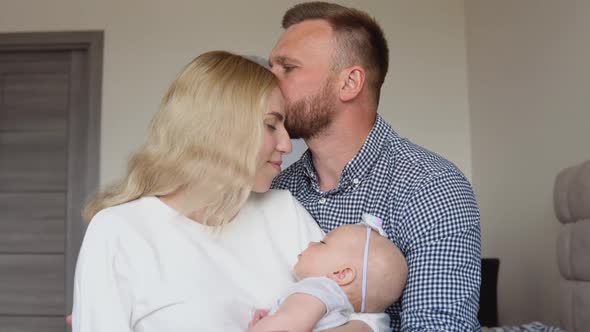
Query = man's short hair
x=360 y=39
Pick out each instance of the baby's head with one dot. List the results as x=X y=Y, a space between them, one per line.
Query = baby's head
x=339 y=256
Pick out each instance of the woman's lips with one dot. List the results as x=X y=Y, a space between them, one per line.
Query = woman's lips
x=276 y=164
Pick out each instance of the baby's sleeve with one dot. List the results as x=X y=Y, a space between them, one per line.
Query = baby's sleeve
x=338 y=308
x=325 y=290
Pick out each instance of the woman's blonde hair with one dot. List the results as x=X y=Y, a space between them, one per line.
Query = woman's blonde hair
x=204 y=139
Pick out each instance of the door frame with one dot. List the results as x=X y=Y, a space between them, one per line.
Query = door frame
x=83 y=126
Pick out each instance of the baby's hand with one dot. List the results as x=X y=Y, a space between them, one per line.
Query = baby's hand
x=257 y=316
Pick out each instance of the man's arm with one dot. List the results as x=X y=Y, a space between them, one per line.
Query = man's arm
x=443 y=253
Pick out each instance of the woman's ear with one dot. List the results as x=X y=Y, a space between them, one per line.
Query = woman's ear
x=352 y=81
x=344 y=275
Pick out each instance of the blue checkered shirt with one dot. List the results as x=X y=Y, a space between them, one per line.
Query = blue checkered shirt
x=429 y=212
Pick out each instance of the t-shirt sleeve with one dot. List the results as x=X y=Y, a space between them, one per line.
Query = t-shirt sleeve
x=326 y=291
x=102 y=292
x=444 y=257
x=338 y=307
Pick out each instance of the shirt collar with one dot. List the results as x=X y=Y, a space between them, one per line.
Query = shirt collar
x=362 y=162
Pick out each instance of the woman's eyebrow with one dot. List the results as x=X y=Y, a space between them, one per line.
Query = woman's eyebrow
x=280 y=116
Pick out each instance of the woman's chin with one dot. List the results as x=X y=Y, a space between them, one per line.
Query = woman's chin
x=261 y=188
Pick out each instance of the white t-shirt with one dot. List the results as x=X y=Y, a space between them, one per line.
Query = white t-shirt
x=338 y=307
x=145 y=268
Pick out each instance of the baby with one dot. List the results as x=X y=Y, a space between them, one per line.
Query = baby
x=355 y=268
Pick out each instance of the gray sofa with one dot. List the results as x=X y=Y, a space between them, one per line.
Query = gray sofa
x=572 y=208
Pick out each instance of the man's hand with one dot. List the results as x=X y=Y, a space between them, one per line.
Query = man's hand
x=69 y=320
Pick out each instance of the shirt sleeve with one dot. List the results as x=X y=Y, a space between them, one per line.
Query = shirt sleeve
x=102 y=295
x=443 y=255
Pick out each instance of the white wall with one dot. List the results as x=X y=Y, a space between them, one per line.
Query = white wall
x=529 y=92
x=148 y=41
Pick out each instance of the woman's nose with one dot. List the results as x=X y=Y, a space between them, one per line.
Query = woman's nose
x=284 y=145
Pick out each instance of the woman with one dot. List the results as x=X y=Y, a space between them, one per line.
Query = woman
x=160 y=253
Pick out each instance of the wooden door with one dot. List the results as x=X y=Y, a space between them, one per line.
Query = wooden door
x=45 y=155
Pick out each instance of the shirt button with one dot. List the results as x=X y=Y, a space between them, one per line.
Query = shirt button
x=356 y=181
x=322 y=200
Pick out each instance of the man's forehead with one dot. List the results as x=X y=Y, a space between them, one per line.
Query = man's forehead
x=302 y=38
x=286 y=48
x=310 y=27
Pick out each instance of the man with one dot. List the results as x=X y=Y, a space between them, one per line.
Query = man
x=331 y=62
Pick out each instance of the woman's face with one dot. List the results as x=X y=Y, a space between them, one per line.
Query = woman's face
x=275 y=144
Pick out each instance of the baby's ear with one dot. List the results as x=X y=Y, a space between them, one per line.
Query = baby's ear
x=344 y=275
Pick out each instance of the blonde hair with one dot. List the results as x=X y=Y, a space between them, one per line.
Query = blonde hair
x=204 y=139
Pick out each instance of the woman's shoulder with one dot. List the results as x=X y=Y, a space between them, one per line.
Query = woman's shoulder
x=272 y=194
x=124 y=220
x=116 y=215
x=273 y=200
x=280 y=205
x=288 y=224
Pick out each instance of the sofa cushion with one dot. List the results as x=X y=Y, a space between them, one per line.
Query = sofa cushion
x=573 y=251
x=571 y=193
x=575 y=305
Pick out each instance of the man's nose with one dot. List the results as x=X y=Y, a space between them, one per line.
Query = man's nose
x=275 y=70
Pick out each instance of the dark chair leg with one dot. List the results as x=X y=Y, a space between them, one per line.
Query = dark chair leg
x=488 y=295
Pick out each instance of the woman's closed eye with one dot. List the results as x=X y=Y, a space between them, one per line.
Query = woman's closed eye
x=271 y=122
x=273 y=119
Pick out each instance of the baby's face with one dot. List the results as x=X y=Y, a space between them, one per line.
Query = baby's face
x=320 y=259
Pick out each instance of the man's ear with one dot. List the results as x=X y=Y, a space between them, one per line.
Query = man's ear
x=343 y=275
x=352 y=81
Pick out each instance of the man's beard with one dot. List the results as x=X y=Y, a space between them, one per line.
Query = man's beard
x=310 y=116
